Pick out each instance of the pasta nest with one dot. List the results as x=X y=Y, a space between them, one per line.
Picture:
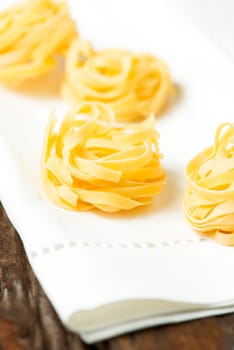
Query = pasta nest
x=31 y=34
x=91 y=161
x=133 y=85
x=209 y=197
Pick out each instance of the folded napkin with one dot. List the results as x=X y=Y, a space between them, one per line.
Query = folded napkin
x=88 y=260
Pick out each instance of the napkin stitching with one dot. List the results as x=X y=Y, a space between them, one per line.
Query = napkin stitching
x=102 y=245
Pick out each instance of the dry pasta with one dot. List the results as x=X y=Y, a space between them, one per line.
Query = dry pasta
x=133 y=85
x=31 y=34
x=209 y=197
x=89 y=161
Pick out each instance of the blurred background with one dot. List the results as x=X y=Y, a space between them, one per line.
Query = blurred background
x=214 y=16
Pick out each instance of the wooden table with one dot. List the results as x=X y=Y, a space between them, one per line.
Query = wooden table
x=29 y=322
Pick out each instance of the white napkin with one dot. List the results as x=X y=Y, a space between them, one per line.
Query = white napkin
x=215 y=17
x=85 y=260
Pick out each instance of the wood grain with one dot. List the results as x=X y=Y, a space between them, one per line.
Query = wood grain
x=27 y=319
x=29 y=322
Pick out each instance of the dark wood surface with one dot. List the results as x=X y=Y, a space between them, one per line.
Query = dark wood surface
x=29 y=322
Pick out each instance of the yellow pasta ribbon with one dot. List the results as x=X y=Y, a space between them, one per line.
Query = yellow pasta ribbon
x=133 y=85
x=90 y=161
x=31 y=34
x=209 y=196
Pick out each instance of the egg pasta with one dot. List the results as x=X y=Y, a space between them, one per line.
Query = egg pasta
x=133 y=85
x=209 y=197
x=31 y=34
x=90 y=161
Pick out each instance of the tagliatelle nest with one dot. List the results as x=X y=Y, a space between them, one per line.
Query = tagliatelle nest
x=209 y=197
x=133 y=85
x=90 y=161
x=31 y=34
